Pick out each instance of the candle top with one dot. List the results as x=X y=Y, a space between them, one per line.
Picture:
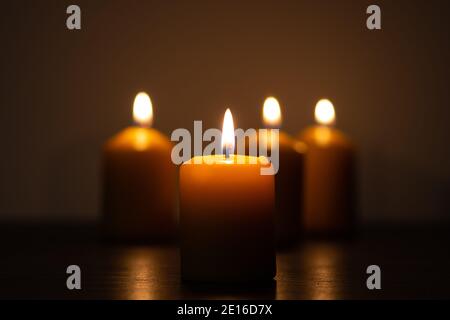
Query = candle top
x=231 y=160
x=325 y=137
x=285 y=141
x=138 y=139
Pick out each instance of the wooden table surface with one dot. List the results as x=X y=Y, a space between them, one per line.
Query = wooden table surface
x=415 y=263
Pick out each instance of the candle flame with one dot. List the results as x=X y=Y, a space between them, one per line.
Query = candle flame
x=228 y=133
x=143 y=110
x=324 y=112
x=272 y=112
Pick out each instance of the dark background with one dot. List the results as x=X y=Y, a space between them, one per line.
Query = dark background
x=63 y=93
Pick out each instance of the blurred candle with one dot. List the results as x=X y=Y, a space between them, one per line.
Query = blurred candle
x=226 y=216
x=139 y=179
x=329 y=176
x=288 y=180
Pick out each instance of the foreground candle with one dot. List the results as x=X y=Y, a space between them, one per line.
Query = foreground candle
x=329 y=176
x=139 y=180
x=226 y=216
x=289 y=178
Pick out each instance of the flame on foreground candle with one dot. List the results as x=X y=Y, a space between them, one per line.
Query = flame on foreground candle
x=143 y=110
x=272 y=112
x=228 y=133
x=324 y=112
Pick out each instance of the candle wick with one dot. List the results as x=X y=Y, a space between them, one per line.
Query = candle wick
x=227 y=152
x=139 y=124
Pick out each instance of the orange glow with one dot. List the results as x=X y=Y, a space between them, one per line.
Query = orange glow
x=324 y=112
x=323 y=135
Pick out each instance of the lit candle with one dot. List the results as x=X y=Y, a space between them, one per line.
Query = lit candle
x=289 y=178
x=139 y=179
x=329 y=176
x=226 y=216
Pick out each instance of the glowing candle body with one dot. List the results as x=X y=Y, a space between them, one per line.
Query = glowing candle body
x=139 y=185
x=289 y=178
x=329 y=181
x=226 y=220
x=288 y=185
x=289 y=190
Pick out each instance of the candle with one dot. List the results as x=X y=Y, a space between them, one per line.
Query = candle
x=289 y=178
x=329 y=176
x=226 y=216
x=139 y=179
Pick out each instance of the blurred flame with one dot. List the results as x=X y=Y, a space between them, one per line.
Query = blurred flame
x=228 y=132
x=143 y=110
x=272 y=112
x=324 y=112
